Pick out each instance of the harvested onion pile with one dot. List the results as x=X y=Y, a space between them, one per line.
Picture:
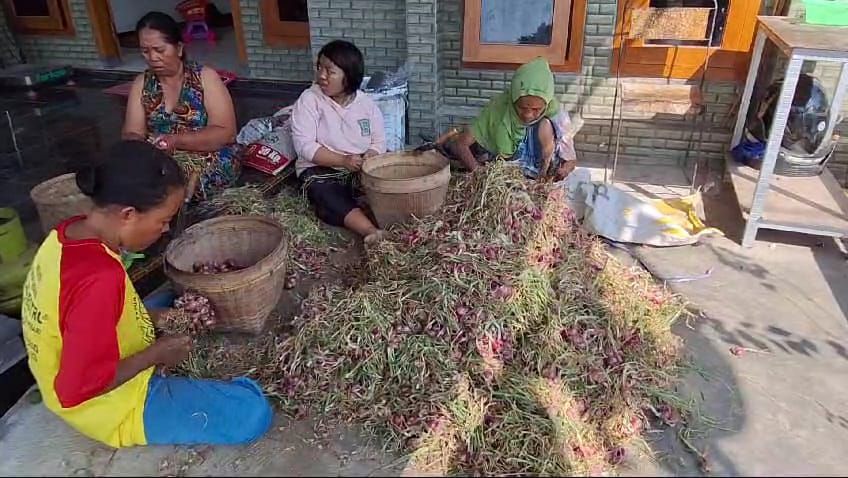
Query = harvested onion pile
x=216 y=267
x=188 y=316
x=492 y=338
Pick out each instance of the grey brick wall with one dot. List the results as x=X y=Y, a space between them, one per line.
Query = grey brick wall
x=589 y=95
x=442 y=93
x=265 y=62
x=9 y=51
x=424 y=82
x=78 y=50
x=377 y=27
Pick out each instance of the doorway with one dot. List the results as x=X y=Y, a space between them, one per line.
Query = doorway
x=222 y=48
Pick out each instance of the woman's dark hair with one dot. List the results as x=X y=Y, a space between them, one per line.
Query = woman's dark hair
x=348 y=58
x=131 y=173
x=164 y=24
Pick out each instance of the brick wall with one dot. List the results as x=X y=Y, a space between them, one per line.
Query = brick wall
x=645 y=139
x=425 y=78
x=377 y=27
x=9 y=51
x=78 y=50
x=265 y=62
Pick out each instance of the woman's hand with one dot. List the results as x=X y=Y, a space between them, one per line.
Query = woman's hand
x=353 y=162
x=158 y=316
x=370 y=154
x=171 y=350
x=565 y=169
x=166 y=142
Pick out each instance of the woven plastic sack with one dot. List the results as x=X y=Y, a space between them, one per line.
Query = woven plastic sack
x=392 y=103
x=621 y=216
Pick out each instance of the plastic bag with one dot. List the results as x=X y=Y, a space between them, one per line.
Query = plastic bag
x=256 y=128
x=621 y=216
x=273 y=153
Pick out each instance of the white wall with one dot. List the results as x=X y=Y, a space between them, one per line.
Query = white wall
x=128 y=12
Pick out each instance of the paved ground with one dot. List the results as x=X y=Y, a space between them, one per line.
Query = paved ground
x=35 y=443
x=782 y=410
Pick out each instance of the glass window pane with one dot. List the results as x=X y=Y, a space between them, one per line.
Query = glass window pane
x=720 y=24
x=31 y=8
x=292 y=10
x=528 y=22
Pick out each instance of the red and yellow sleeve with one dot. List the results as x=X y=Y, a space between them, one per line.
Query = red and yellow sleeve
x=91 y=296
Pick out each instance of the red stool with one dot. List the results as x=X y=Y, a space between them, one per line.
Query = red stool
x=194 y=14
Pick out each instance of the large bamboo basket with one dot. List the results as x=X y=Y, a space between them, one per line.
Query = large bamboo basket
x=58 y=199
x=244 y=299
x=405 y=184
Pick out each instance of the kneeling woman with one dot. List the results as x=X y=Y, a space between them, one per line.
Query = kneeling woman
x=90 y=340
x=335 y=128
x=524 y=124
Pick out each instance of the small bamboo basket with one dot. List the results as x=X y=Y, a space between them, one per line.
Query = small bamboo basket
x=405 y=184
x=58 y=199
x=243 y=299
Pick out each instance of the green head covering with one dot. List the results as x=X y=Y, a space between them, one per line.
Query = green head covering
x=499 y=128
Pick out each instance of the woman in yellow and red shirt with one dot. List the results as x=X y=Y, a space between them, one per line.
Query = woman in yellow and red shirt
x=89 y=337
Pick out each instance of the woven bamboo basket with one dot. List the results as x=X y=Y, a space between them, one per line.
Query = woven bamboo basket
x=58 y=199
x=405 y=184
x=243 y=299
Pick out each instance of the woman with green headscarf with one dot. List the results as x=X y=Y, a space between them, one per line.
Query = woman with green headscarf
x=520 y=124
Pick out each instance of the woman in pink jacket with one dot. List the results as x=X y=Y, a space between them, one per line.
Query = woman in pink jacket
x=336 y=128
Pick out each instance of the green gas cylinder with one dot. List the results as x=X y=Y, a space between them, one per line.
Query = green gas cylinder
x=12 y=238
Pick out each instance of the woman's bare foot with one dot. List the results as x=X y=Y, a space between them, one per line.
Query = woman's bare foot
x=375 y=237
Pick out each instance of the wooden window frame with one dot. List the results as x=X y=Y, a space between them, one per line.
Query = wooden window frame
x=729 y=62
x=282 y=34
x=59 y=22
x=564 y=54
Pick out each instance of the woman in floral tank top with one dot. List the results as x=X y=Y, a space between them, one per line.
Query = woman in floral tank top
x=184 y=108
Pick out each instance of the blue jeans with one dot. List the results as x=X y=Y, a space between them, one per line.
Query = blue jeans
x=162 y=299
x=187 y=411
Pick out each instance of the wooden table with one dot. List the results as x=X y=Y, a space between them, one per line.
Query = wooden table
x=812 y=205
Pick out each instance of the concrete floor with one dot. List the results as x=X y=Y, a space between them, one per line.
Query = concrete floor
x=783 y=405
x=779 y=409
x=33 y=442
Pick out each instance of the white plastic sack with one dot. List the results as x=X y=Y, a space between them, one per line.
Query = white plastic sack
x=620 y=216
x=392 y=103
x=257 y=128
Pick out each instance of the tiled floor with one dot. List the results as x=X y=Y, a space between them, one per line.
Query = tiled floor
x=65 y=126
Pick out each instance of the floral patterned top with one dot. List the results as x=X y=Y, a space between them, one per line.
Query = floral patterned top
x=215 y=170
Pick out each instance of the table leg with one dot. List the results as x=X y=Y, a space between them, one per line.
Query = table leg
x=835 y=106
x=778 y=125
x=745 y=101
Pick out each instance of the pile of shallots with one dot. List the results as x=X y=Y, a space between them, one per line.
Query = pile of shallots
x=192 y=314
x=216 y=267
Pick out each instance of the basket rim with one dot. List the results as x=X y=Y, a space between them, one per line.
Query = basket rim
x=36 y=193
x=435 y=155
x=234 y=278
x=428 y=182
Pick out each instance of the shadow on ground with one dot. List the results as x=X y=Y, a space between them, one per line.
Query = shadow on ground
x=768 y=343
